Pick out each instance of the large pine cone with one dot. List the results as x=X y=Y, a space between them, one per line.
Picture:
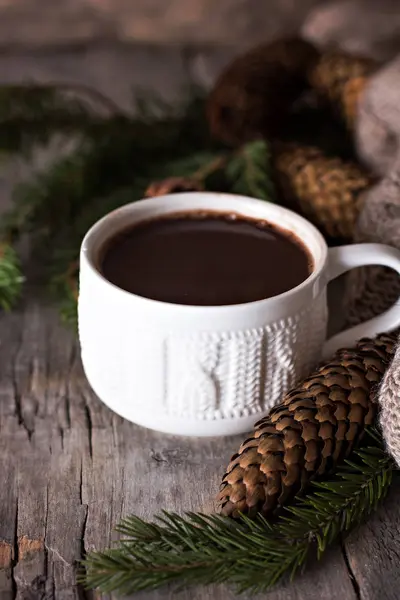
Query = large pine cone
x=327 y=190
x=254 y=94
x=340 y=79
x=315 y=427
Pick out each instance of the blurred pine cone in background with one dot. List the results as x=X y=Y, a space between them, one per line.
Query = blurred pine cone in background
x=252 y=97
x=261 y=94
x=315 y=427
x=326 y=190
x=340 y=79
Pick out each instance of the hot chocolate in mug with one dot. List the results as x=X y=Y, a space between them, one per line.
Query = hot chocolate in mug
x=211 y=370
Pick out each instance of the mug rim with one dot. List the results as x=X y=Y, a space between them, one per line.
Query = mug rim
x=99 y=229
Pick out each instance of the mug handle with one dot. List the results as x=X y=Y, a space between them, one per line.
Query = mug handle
x=343 y=259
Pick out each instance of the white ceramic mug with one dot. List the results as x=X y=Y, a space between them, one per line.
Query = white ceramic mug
x=204 y=370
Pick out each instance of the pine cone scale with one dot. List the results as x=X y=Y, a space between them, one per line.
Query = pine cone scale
x=271 y=444
x=327 y=190
x=341 y=79
x=316 y=426
x=312 y=451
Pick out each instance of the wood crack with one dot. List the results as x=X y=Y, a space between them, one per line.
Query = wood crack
x=57 y=555
x=67 y=410
x=15 y=557
x=83 y=594
x=46 y=554
x=17 y=395
x=89 y=425
x=353 y=580
x=67 y=400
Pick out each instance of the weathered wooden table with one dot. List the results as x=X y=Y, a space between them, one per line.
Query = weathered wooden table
x=69 y=468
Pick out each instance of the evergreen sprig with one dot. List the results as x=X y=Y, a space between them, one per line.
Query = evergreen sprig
x=249 y=171
x=31 y=114
x=251 y=555
x=116 y=157
x=11 y=278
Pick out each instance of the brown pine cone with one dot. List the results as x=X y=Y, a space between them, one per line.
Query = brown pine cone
x=315 y=427
x=254 y=94
x=173 y=185
x=327 y=190
x=340 y=79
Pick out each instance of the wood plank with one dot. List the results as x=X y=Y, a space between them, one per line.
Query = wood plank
x=373 y=551
x=71 y=468
x=10 y=434
x=46 y=488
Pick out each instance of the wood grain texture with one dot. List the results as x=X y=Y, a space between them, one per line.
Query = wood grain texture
x=70 y=469
x=373 y=551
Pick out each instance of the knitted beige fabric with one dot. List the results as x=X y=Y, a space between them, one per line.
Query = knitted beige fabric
x=378 y=123
x=372 y=290
x=389 y=399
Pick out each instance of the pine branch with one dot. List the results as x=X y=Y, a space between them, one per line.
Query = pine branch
x=51 y=198
x=111 y=156
x=30 y=115
x=116 y=157
x=248 y=172
x=11 y=278
x=251 y=555
x=64 y=288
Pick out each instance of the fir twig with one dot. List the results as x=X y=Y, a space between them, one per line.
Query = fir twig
x=251 y=555
x=11 y=278
x=32 y=115
x=115 y=157
x=65 y=289
x=84 y=93
x=248 y=172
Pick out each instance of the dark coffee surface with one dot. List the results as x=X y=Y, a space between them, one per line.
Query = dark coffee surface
x=205 y=259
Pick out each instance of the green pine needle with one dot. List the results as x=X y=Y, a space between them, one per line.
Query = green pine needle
x=31 y=114
x=250 y=555
x=117 y=156
x=249 y=171
x=11 y=278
